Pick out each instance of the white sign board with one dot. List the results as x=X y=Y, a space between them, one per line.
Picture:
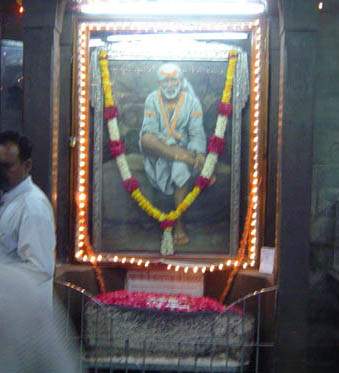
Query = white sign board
x=168 y=282
x=267 y=260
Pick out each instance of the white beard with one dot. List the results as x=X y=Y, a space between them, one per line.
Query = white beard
x=171 y=93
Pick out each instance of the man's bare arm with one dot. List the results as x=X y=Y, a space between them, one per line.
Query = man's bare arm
x=152 y=145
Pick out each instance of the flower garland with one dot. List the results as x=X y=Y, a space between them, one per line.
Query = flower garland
x=162 y=302
x=215 y=148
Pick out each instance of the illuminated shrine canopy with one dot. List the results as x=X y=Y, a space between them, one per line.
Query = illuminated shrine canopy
x=173 y=7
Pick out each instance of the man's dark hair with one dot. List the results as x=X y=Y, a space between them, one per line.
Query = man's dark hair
x=24 y=144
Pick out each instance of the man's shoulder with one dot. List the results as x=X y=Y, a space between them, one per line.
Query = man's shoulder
x=36 y=199
x=152 y=97
x=192 y=98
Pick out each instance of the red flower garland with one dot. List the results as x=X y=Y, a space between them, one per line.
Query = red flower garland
x=167 y=224
x=162 y=302
x=110 y=112
x=202 y=182
x=216 y=145
x=131 y=184
x=225 y=109
x=117 y=148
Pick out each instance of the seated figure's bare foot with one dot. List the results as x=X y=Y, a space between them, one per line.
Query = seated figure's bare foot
x=180 y=236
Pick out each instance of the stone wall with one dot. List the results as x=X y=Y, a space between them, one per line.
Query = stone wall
x=325 y=188
x=324 y=280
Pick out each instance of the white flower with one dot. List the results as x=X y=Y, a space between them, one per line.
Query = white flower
x=123 y=167
x=209 y=165
x=220 y=127
x=113 y=129
x=167 y=242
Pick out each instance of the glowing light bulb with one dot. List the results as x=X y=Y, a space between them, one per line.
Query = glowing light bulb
x=78 y=254
x=82 y=197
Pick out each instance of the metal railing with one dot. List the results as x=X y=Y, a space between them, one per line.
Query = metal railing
x=105 y=346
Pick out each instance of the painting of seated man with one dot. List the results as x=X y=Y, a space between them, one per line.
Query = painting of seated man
x=167 y=111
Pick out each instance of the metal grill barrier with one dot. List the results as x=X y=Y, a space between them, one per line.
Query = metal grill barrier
x=255 y=356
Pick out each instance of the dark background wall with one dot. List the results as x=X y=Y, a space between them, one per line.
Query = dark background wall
x=11 y=51
x=324 y=278
x=10 y=20
x=325 y=185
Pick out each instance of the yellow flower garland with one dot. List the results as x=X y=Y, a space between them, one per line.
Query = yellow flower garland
x=148 y=207
x=232 y=62
x=106 y=82
x=137 y=195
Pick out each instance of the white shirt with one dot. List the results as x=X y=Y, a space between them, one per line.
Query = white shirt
x=32 y=340
x=27 y=233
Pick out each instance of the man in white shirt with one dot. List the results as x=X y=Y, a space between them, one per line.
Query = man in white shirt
x=27 y=232
x=32 y=340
